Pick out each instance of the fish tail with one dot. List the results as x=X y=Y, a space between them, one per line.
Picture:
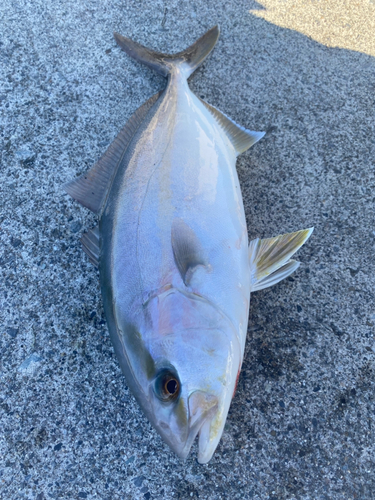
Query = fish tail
x=188 y=60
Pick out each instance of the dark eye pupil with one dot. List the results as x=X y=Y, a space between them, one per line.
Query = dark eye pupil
x=171 y=386
x=167 y=386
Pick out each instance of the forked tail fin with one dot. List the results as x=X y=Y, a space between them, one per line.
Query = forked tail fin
x=188 y=60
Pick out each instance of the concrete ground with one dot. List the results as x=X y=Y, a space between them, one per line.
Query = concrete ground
x=302 y=423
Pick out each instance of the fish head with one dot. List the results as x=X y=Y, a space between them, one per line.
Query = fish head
x=197 y=358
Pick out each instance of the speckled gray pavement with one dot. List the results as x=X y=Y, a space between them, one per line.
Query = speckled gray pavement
x=302 y=423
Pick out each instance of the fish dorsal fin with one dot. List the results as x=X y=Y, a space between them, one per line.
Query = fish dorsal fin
x=270 y=258
x=90 y=245
x=91 y=188
x=241 y=138
x=187 y=250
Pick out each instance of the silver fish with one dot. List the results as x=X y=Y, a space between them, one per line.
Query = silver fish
x=176 y=269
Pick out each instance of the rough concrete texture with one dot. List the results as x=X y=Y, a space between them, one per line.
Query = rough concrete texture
x=302 y=423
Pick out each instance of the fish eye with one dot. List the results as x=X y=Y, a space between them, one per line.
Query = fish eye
x=167 y=386
x=171 y=386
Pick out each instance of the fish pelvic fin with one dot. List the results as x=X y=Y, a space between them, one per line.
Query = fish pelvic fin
x=188 y=60
x=270 y=258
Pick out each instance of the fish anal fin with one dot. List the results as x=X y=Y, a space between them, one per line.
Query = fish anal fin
x=91 y=188
x=270 y=259
x=241 y=138
x=90 y=245
x=187 y=251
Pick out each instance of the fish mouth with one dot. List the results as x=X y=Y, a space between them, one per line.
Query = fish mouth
x=207 y=440
x=202 y=408
x=206 y=443
x=184 y=452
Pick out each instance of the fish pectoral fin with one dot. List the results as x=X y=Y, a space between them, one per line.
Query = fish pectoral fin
x=91 y=189
x=187 y=250
x=90 y=245
x=270 y=258
x=241 y=138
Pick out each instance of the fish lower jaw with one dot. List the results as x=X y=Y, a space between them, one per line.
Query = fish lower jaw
x=207 y=443
x=183 y=451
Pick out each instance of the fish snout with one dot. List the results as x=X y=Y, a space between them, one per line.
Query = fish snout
x=201 y=406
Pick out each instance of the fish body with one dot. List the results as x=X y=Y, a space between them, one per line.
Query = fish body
x=176 y=269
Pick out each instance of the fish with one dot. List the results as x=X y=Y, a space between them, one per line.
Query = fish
x=171 y=245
